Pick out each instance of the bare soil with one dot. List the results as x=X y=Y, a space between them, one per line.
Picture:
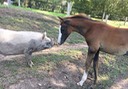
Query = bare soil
x=64 y=76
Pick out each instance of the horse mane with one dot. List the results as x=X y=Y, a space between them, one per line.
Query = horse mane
x=82 y=16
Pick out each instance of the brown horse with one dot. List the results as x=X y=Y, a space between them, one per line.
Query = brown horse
x=99 y=37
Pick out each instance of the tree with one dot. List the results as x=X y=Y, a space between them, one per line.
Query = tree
x=69 y=7
x=117 y=9
x=18 y=2
x=1 y=1
x=54 y=4
x=82 y=6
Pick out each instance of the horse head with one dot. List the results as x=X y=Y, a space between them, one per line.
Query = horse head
x=64 y=30
x=71 y=24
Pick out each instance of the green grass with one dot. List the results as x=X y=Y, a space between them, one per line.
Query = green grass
x=115 y=23
x=118 y=24
x=111 y=67
x=1 y=87
x=49 y=13
x=24 y=19
x=34 y=10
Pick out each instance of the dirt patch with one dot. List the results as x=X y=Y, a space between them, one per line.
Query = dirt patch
x=121 y=82
x=65 y=75
x=19 y=19
x=60 y=67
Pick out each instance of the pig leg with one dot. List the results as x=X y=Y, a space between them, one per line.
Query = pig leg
x=28 y=52
x=28 y=56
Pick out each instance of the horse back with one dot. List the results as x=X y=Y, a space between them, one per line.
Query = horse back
x=109 y=39
x=114 y=40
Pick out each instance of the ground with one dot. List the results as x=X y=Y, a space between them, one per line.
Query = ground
x=60 y=67
x=63 y=74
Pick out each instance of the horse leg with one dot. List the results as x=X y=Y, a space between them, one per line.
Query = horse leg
x=90 y=56
x=95 y=66
x=28 y=56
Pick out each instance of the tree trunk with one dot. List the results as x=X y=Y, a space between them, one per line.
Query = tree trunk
x=69 y=7
x=26 y=3
x=53 y=8
x=106 y=18
x=19 y=3
x=103 y=16
x=125 y=20
x=29 y=4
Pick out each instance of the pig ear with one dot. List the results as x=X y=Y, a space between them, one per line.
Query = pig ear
x=44 y=35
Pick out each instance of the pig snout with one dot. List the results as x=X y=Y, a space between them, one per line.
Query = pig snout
x=49 y=44
x=52 y=42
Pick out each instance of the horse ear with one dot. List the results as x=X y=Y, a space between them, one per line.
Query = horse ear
x=61 y=19
x=64 y=20
x=44 y=35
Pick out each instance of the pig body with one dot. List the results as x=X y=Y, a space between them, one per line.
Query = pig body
x=23 y=42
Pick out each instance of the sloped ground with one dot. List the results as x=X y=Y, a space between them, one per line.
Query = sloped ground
x=60 y=73
x=59 y=67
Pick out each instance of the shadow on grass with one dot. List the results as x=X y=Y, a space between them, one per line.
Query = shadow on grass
x=60 y=71
x=49 y=69
x=112 y=68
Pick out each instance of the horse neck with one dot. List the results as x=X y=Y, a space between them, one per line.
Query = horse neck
x=82 y=27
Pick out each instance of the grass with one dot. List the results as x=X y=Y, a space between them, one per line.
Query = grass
x=49 y=13
x=118 y=24
x=1 y=87
x=112 y=68
x=34 y=10
x=115 y=23
x=13 y=18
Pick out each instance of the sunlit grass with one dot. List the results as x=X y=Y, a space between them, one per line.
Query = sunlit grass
x=110 y=69
x=1 y=87
x=118 y=23
x=35 y=10
x=110 y=22
x=103 y=78
x=49 y=13
x=57 y=56
x=115 y=23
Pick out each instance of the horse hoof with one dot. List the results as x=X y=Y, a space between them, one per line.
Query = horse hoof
x=79 y=84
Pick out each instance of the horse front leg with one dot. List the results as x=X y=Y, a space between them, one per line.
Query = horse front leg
x=28 y=57
x=95 y=66
x=90 y=56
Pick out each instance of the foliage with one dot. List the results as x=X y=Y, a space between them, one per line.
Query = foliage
x=64 y=64
x=117 y=9
x=48 y=5
x=1 y=1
